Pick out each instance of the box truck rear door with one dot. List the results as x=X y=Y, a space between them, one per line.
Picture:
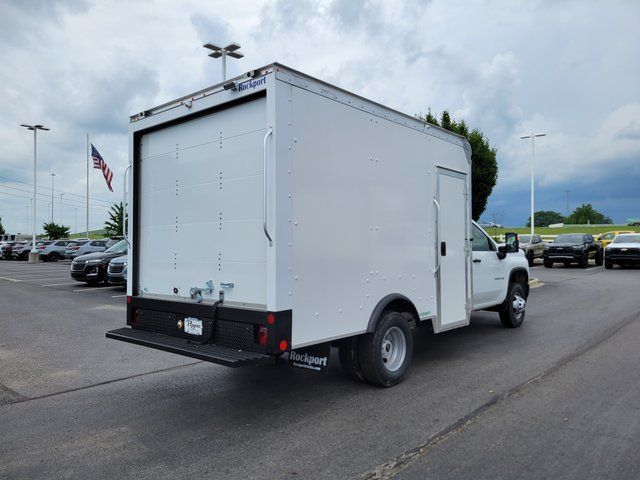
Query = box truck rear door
x=200 y=206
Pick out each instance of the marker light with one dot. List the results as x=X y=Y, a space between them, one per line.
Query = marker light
x=283 y=345
x=271 y=319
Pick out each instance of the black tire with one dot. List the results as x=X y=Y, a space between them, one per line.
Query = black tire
x=530 y=257
x=513 y=316
x=608 y=265
x=348 y=355
x=377 y=369
x=53 y=257
x=599 y=258
x=548 y=264
x=584 y=260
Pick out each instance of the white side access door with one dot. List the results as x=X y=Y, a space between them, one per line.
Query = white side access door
x=454 y=259
x=201 y=206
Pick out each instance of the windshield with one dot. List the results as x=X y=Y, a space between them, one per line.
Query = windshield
x=525 y=238
x=627 y=239
x=569 y=239
x=119 y=247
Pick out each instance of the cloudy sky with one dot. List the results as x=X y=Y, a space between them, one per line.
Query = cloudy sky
x=569 y=69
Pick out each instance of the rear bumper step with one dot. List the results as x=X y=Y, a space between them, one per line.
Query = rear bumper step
x=227 y=356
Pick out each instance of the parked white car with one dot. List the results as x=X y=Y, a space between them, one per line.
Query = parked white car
x=53 y=251
x=623 y=251
x=77 y=248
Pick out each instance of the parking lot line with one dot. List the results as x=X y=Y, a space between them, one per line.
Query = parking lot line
x=40 y=277
x=10 y=279
x=96 y=288
x=118 y=296
x=39 y=269
x=58 y=284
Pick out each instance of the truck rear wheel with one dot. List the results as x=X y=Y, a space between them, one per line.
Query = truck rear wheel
x=384 y=356
x=530 y=257
x=513 y=314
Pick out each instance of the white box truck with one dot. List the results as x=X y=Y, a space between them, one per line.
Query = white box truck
x=277 y=213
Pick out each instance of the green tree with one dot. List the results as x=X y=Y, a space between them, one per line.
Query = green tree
x=2 y=232
x=484 y=167
x=55 y=231
x=113 y=226
x=584 y=214
x=544 y=218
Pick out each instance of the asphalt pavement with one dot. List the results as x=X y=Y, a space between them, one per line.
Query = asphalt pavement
x=479 y=402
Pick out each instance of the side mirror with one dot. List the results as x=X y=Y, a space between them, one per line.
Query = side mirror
x=511 y=243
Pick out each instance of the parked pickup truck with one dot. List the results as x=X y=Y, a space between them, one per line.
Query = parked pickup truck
x=532 y=246
x=573 y=248
x=301 y=217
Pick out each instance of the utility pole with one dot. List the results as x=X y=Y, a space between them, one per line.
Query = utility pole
x=75 y=221
x=568 y=202
x=61 y=194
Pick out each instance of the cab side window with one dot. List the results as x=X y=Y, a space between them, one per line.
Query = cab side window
x=480 y=242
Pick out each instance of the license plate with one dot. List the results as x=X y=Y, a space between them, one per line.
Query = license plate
x=192 y=326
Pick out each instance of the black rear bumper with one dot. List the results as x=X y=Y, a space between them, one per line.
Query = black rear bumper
x=227 y=356
x=255 y=335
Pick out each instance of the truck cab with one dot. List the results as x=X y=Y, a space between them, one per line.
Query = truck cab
x=496 y=274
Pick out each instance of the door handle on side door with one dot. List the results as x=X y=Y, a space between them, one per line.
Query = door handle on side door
x=476 y=260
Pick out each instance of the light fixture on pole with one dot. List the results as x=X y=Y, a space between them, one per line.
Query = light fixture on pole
x=53 y=176
x=533 y=158
x=33 y=255
x=230 y=50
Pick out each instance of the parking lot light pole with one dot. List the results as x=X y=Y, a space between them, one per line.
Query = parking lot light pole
x=533 y=158
x=33 y=255
x=230 y=50
x=61 y=194
x=53 y=175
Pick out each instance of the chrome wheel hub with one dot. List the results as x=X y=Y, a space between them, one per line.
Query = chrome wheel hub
x=519 y=304
x=394 y=349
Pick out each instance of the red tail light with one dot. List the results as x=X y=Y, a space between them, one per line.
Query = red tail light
x=262 y=336
x=128 y=299
x=271 y=319
x=284 y=345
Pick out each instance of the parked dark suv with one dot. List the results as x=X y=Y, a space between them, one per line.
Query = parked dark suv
x=572 y=248
x=92 y=267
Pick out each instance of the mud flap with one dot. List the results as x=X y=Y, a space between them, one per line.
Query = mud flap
x=314 y=358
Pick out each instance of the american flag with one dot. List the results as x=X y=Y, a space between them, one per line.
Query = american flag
x=99 y=163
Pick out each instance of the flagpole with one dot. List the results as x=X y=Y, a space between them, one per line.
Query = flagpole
x=87 y=185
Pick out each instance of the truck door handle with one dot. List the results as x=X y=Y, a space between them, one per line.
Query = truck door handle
x=443 y=249
x=265 y=185
x=435 y=202
x=476 y=260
